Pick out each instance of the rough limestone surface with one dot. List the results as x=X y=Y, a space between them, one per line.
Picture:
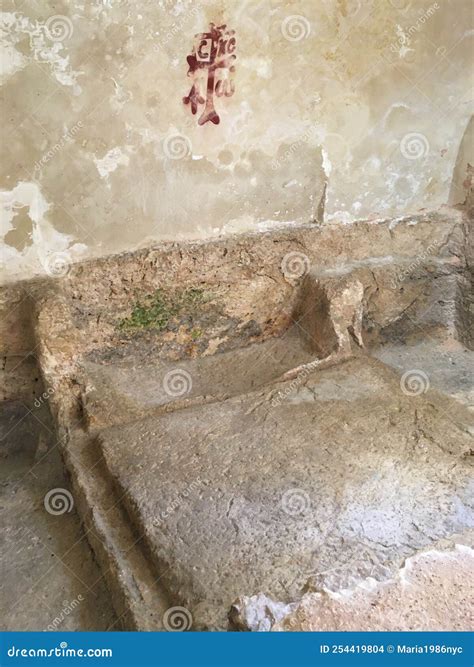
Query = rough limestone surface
x=245 y=334
x=258 y=613
x=432 y=591
x=251 y=285
x=448 y=365
x=341 y=477
x=329 y=315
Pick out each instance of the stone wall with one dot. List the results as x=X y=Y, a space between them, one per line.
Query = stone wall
x=342 y=110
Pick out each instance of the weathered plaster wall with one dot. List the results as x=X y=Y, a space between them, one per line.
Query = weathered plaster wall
x=343 y=109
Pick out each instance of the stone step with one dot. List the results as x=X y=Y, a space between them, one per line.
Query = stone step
x=127 y=390
x=139 y=599
x=446 y=365
x=332 y=479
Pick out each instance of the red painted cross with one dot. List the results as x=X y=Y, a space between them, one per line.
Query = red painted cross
x=211 y=65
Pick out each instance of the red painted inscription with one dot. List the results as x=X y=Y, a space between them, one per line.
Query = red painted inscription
x=211 y=66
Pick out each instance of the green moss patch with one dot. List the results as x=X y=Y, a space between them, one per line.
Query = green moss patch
x=157 y=310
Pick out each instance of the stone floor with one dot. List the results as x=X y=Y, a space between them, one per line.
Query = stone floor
x=50 y=580
x=250 y=501
x=327 y=481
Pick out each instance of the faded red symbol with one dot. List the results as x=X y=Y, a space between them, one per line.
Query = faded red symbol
x=211 y=65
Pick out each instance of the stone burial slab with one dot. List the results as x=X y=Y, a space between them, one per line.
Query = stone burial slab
x=322 y=482
x=129 y=389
